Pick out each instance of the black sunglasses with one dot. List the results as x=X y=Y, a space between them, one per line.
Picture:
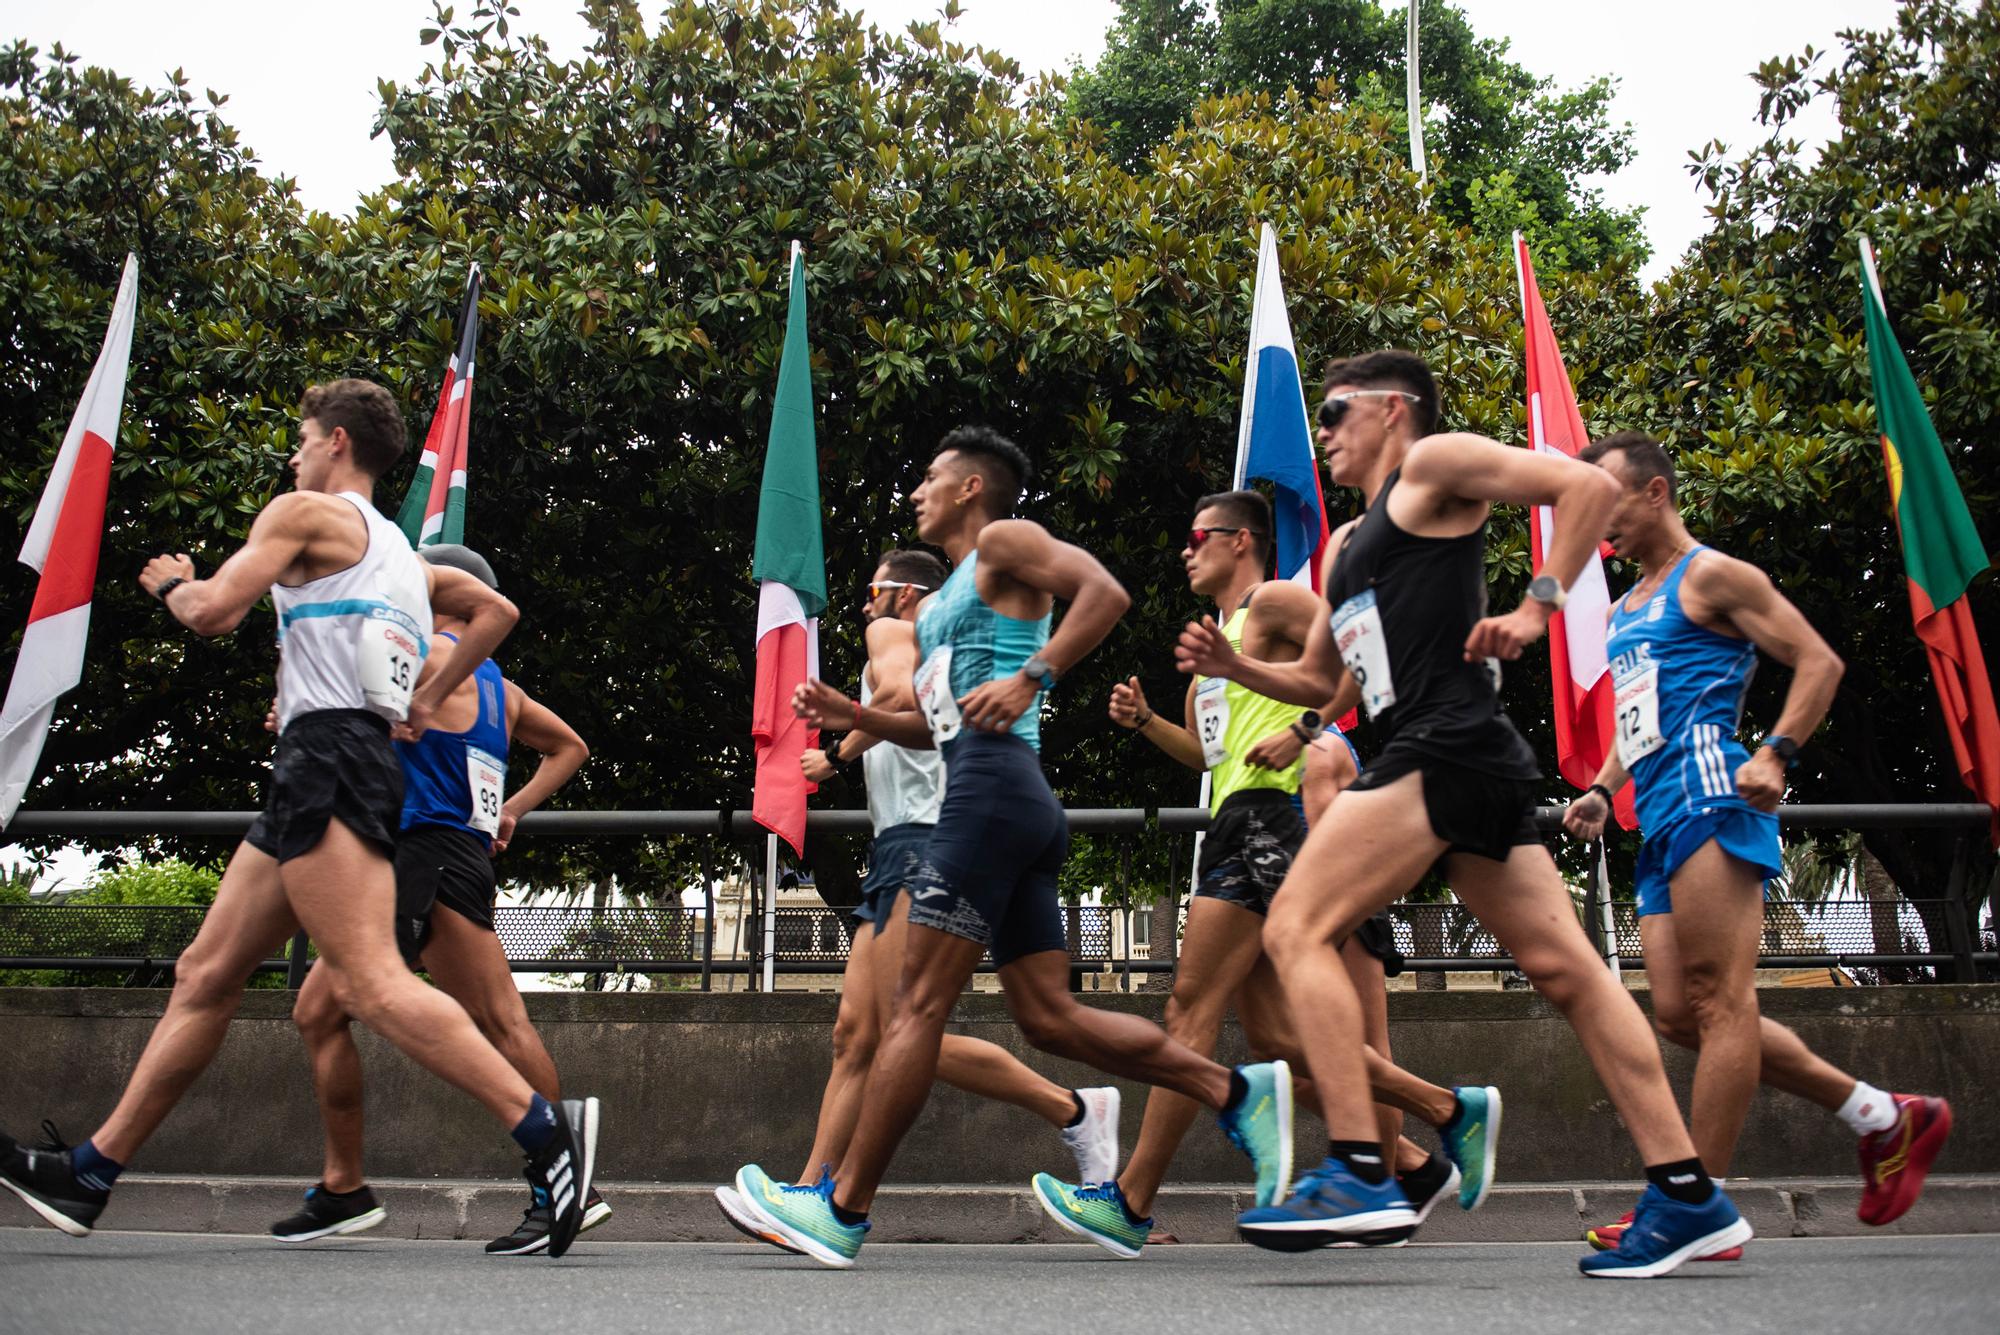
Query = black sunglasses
x=1334 y=406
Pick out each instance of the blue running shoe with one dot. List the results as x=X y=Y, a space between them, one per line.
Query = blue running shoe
x=1261 y=1126
x=1472 y=1142
x=802 y=1216
x=1096 y=1211
x=1330 y=1205
x=1664 y=1233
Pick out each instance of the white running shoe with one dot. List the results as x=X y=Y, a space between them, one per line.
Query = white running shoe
x=1094 y=1140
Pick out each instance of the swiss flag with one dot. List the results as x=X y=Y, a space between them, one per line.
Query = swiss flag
x=62 y=546
x=1580 y=672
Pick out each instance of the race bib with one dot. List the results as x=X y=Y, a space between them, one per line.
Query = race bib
x=934 y=697
x=1211 y=719
x=486 y=776
x=1357 y=633
x=388 y=658
x=1636 y=700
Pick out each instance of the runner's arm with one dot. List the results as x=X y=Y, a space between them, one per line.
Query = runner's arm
x=824 y=707
x=1588 y=812
x=1130 y=710
x=218 y=604
x=539 y=728
x=488 y=618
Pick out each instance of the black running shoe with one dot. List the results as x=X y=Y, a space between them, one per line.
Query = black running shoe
x=560 y=1173
x=42 y=1176
x=327 y=1214
x=531 y=1235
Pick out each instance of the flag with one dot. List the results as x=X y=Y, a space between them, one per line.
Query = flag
x=1942 y=552
x=434 y=510
x=790 y=566
x=61 y=547
x=1579 y=670
x=1273 y=439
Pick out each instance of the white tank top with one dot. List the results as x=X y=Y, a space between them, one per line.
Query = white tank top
x=355 y=639
x=905 y=787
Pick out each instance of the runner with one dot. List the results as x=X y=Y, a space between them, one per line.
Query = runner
x=454 y=823
x=988 y=873
x=1454 y=785
x=1254 y=749
x=1683 y=645
x=354 y=607
x=905 y=789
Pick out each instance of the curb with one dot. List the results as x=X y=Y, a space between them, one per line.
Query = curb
x=957 y=1213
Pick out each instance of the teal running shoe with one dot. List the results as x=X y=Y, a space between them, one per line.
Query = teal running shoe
x=1261 y=1126
x=801 y=1216
x=1472 y=1142
x=1095 y=1211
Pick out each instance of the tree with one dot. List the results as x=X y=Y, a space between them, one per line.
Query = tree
x=1509 y=150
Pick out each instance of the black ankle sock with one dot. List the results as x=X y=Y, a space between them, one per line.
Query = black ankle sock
x=849 y=1217
x=325 y=1190
x=1081 y=1111
x=1239 y=1090
x=1457 y=1112
x=1363 y=1159
x=1427 y=1176
x=1683 y=1180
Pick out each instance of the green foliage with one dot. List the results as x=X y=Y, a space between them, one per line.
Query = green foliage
x=1508 y=149
x=172 y=882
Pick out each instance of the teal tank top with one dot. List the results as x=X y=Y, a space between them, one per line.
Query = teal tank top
x=985 y=645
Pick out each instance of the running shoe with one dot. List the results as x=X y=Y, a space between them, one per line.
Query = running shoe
x=42 y=1176
x=1894 y=1163
x=749 y=1225
x=560 y=1173
x=327 y=1215
x=1472 y=1142
x=1665 y=1233
x=1096 y=1211
x=1261 y=1125
x=1330 y=1205
x=802 y=1216
x=1094 y=1140
x=1425 y=1187
x=531 y=1235
x=1605 y=1237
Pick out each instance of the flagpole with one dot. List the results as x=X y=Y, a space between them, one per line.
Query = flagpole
x=1416 y=110
x=770 y=911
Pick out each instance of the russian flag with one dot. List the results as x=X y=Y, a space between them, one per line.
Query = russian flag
x=1274 y=439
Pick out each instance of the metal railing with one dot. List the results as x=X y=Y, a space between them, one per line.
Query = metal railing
x=1934 y=935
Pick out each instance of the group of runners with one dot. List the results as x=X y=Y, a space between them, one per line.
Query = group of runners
x=388 y=801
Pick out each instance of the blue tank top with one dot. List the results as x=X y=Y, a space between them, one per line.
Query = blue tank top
x=438 y=768
x=1697 y=680
x=985 y=645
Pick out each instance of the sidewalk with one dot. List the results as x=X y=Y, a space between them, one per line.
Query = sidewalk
x=1196 y=1213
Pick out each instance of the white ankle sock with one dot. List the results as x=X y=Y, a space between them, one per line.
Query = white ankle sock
x=1868 y=1109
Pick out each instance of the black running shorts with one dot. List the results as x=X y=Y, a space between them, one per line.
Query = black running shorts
x=440 y=867
x=331 y=763
x=1483 y=814
x=1249 y=847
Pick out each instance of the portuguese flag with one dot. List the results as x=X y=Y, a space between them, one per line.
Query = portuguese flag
x=1942 y=553
x=434 y=511
x=790 y=567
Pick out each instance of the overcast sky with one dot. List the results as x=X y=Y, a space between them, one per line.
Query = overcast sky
x=301 y=78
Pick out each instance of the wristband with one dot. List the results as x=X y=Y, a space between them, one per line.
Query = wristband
x=1299 y=731
x=1140 y=724
x=1609 y=800
x=168 y=587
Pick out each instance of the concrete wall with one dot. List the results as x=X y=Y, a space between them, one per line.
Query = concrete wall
x=695 y=1085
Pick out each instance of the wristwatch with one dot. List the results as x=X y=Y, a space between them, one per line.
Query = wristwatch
x=1308 y=727
x=1038 y=669
x=1545 y=589
x=1787 y=749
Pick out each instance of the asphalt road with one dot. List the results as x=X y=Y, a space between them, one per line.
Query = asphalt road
x=158 y=1282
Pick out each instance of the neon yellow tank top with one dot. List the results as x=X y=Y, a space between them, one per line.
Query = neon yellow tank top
x=1252 y=718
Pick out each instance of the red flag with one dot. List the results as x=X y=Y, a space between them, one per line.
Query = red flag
x=1579 y=671
x=62 y=544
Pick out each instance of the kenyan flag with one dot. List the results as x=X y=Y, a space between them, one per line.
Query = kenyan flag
x=434 y=511
x=1942 y=553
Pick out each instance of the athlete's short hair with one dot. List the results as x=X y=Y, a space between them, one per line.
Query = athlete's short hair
x=913 y=566
x=1645 y=458
x=994 y=457
x=1390 y=368
x=369 y=415
x=1244 y=509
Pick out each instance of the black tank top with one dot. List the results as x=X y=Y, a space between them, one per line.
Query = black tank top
x=1427 y=594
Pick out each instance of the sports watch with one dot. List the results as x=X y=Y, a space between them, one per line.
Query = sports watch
x=1546 y=589
x=1038 y=669
x=1787 y=749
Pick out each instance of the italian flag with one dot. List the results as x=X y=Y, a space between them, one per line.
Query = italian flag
x=1942 y=553
x=62 y=546
x=1579 y=671
x=434 y=511
x=790 y=567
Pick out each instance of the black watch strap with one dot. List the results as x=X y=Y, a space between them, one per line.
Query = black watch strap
x=1602 y=790
x=168 y=587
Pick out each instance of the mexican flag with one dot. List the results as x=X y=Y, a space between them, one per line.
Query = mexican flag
x=1942 y=553
x=790 y=566
x=434 y=511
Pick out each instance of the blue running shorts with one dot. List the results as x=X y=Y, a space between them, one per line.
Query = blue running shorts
x=1751 y=837
x=892 y=856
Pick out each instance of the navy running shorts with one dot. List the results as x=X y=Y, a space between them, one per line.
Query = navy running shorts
x=892 y=856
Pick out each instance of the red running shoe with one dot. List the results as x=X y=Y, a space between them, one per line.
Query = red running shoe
x=1894 y=1163
x=1605 y=1238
